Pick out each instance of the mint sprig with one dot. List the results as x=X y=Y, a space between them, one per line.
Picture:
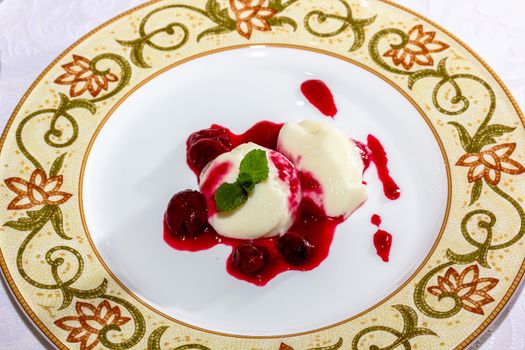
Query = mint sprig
x=252 y=170
x=230 y=196
x=255 y=166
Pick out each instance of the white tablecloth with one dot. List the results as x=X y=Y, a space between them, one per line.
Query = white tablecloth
x=34 y=32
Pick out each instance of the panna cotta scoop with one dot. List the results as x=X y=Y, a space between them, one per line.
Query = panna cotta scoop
x=269 y=209
x=325 y=155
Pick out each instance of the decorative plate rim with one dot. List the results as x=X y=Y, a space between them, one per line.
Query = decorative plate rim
x=52 y=338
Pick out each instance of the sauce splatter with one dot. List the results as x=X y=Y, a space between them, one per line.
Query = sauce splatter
x=379 y=158
x=376 y=220
x=382 y=239
x=320 y=96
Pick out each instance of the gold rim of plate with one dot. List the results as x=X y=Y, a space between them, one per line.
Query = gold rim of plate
x=474 y=267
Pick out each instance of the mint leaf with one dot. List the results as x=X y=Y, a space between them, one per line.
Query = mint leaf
x=254 y=166
x=252 y=170
x=246 y=181
x=230 y=196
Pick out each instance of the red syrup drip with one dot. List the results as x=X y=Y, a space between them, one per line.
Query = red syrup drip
x=379 y=158
x=382 y=239
x=320 y=96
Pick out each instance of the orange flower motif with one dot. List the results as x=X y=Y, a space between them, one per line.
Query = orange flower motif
x=491 y=163
x=85 y=327
x=471 y=289
x=81 y=78
x=418 y=50
x=37 y=191
x=250 y=14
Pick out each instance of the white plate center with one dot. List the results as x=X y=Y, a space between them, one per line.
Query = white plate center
x=138 y=162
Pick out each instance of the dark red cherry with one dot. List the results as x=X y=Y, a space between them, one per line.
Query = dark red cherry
x=366 y=154
x=187 y=214
x=249 y=259
x=215 y=133
x=205 y=145
x=294 y=248
x=204 y=151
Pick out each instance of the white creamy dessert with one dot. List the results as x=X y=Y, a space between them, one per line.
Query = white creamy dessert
x=269 y=210
x=332 y=159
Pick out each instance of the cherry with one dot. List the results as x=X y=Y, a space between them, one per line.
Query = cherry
x=215 y=133
x=366 y=154
x=204 y=151
x=249 y=259
x=294 y=248
x=205 y=145
x=187 y=214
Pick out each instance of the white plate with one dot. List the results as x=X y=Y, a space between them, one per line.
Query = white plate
x=137 y=163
